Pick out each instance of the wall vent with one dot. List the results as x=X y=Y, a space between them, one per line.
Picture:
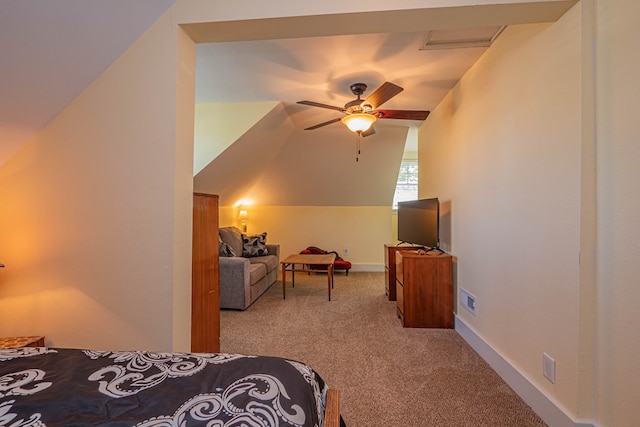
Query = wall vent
x=468 y=301
x=461 y=38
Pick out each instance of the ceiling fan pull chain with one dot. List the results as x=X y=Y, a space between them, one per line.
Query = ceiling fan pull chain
x=358 y=138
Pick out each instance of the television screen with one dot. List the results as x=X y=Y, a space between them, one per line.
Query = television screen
x=418 y=222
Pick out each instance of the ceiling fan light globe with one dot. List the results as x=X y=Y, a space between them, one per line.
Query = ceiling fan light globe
x=359 y=122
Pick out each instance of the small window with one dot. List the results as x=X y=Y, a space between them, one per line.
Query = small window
x=407 y=184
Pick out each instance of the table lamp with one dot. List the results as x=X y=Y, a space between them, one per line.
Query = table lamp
x=243 y=216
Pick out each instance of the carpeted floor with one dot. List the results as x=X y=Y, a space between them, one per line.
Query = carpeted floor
x=387 y=375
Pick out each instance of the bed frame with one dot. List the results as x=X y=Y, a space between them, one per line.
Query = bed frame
x=332 y=409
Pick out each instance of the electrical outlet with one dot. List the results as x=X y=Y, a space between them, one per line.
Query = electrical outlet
x=468 y=301
x=549 y=368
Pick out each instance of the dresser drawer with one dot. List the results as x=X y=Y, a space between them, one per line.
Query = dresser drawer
x=400 y=296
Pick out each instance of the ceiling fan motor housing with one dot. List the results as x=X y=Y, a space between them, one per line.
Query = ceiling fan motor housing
x=358 y=89
x=357 y=106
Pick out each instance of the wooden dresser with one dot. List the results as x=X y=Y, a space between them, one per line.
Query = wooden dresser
x=390 y=267
x=424 y=290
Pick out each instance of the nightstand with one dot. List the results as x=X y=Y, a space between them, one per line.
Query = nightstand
x=15 y=342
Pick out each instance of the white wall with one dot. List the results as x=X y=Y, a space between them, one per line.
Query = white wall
x=503 y=153
x=618 y=151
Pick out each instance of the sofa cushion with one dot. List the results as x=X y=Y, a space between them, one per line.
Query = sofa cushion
x=256 y=272
x=232 y=237
x=253 y=246
x=269 y=261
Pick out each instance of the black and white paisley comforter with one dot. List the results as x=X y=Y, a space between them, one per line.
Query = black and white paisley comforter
x=69 y=387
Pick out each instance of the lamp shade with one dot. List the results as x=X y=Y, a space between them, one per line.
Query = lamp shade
x=358 y=122
x=243 y=214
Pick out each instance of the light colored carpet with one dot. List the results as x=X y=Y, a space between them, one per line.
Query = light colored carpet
x=387 y=375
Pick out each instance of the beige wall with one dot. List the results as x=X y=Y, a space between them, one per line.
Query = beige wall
x=183 y=190
x=93 y=209
x=618 y=151
x=362 y=230
x=512 y=150
x=94 y=219
x=95 y=238
x=503 y=152
x=441 y=15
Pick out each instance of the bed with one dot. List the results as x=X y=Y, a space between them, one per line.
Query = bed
x=42 y=386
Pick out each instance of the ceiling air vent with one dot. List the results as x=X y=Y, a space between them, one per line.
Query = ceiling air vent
x=461 y=38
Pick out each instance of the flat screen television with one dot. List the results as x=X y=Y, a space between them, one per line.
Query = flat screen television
x=419 y=222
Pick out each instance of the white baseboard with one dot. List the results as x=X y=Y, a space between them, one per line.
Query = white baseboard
x=548 y=410
x=367 y=267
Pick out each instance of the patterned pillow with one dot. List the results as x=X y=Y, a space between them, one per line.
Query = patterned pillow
x=232 y=236
x=254 y=245
x=224 y=249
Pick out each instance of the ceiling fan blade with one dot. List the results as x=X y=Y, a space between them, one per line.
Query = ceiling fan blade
x=317 y=104
x=403 y=114
x=324 y=123
x=383 y=94
x=368 y=132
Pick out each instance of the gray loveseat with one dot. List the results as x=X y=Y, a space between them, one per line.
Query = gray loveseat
x=244 y=279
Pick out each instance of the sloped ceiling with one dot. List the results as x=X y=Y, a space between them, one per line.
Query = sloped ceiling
x=318 y=167
x=217 y=126
x=274 y=163
x=52 y=50
x=233 y=174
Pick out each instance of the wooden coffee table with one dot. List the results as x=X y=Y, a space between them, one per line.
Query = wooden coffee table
x=305 y=260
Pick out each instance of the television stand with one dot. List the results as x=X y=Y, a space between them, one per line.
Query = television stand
x=424 y=289
x=390 y=251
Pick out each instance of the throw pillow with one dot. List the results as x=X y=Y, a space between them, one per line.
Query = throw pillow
x=232 y=236
x=224 y=249
x=254 y=245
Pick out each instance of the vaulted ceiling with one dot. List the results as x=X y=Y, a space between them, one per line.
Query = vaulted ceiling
x=53 y=50
x=317 y=167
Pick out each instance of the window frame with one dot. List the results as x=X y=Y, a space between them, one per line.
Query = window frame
x=410 y=182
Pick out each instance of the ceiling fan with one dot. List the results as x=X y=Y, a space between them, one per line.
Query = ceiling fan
x=361 y=114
